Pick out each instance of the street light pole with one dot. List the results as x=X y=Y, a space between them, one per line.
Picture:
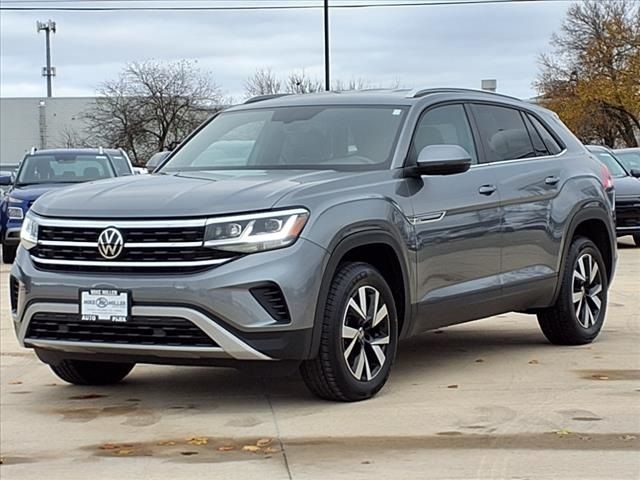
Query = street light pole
x=48 y=71
x=327 y=74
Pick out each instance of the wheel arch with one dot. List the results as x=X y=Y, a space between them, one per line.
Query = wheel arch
x=379 y=248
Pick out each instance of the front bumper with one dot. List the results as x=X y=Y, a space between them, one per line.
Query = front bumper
x=218 y=301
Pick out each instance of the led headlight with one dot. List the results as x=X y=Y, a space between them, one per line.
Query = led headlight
x=15 y=213
x=29 y=232
x=255 y=232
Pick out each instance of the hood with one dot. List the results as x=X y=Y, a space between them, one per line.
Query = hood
x=29 y=193
x=626 y=186
x=185 y=194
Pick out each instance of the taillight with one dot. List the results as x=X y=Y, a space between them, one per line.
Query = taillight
x=607 y=179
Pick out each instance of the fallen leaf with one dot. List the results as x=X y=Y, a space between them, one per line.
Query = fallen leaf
x=188 y=454
x=533 y=362
x=626 y=438
x=124 y=451
x=198 y=441
x=366 y=462
x=479 y=360
x=271 y=450
x=452 y=386
x=166 y=443
x=251 y=448
x=264 y=442
x=15 y=382
x=89 y=396
x=226 y=448
x=109 y=446
x=562 y=432
x=600 y=377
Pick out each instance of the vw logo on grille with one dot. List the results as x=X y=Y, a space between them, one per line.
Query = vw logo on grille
x=110 y=243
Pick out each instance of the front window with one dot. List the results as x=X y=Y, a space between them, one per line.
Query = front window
x=63 y=168
x=309 y=137
x=612 y=164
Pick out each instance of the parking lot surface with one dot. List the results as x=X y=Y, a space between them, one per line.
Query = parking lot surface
x=485 y=400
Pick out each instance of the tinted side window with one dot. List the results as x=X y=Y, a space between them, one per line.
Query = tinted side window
x=446 y=125
x=502 y=133
x=538 y=144
x=551 y=143
x=121 y=165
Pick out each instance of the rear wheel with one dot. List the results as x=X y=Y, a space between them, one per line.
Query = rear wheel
x=9 y=253
x=578 y=314
x=359 y=337
x=80 y=372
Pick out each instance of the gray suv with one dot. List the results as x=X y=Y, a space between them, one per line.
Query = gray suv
x=315 y=232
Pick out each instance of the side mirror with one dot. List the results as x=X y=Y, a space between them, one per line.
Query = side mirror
x=5 y=180
x=442 y=160
x=635 y=172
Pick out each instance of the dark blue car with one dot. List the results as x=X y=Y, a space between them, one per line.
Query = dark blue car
x=44 y=170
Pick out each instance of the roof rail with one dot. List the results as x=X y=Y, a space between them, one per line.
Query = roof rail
x=33 y=151
x=100 y=151
x=421 y=92
x=260 y=98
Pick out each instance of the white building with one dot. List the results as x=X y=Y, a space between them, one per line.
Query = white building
x=40 y=123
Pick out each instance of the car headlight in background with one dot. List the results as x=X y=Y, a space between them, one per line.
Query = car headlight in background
x=255 y=232
x=15 y=213
x=29 y=232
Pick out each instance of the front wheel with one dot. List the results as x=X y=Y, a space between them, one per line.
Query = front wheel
x=359 y=337
x=578 y=314
x=9 y=253
x=80 y=372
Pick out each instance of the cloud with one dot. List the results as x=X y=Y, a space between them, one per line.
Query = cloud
x=417 y=46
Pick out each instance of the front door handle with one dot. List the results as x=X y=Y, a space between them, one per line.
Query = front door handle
x=552 y=180
x=487 y=189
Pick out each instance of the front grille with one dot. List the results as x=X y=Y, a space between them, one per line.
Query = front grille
x=149 y=247
x=151 y=331
x=272 y=300
x=628 y=212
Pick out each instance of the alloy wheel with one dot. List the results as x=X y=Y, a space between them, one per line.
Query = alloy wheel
x=587 y=290
x=365 y=333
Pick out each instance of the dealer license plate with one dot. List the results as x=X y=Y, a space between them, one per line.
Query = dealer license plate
x=104 y=305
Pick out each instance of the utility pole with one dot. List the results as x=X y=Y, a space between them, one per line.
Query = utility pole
x=327 y=74
x=48 y=71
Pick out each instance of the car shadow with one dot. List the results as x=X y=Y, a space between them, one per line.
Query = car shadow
x=433 y=357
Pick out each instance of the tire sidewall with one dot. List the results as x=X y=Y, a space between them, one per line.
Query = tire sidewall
x=363 y=275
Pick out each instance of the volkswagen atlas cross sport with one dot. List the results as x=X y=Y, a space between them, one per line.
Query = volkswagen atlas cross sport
x=315 y=231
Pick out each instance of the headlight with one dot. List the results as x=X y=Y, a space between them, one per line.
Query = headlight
x=255 y=232
x=29 y=232
x=15 y=213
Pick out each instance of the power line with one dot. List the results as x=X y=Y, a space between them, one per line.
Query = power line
x=258 y=7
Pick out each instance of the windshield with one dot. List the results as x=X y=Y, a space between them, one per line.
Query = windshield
x=631 y=160
x=63 y=168
x=311 y=137
x=612 y=164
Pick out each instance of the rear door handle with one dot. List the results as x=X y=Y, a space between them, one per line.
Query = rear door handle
x=487 y=189
x=552 y=180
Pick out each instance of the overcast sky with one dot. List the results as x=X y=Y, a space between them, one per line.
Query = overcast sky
x=451 y=45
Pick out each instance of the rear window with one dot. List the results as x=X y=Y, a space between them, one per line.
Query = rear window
x=63 y=168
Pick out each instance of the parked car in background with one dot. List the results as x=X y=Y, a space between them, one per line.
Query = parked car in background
x=156 y=159
x=627 y=189
x=6 y=172
x=44 y=170
x=629 y=157
x=340 y=224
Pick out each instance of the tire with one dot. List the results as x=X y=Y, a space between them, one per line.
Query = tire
x=340 y=372
x=636 y=238
x=580 y=309
x=79 y=372
x=9 y=253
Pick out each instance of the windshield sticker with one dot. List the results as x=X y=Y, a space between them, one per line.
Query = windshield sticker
x=397 y=111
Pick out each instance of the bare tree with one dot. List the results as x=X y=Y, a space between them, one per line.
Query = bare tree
x=152 y=105
x=69 y=137
x=263 y=82
x=299 y=82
